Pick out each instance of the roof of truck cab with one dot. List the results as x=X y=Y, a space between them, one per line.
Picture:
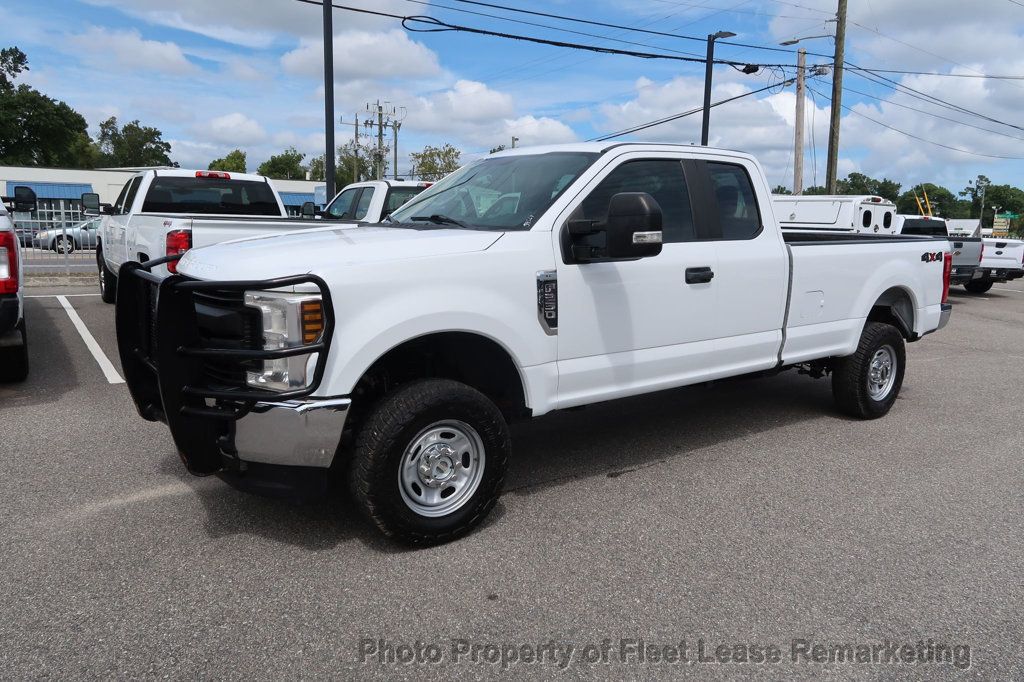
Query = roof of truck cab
x=186 y=173
x=602 y=147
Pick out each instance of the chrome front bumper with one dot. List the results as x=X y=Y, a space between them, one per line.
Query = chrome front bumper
x=302 y=432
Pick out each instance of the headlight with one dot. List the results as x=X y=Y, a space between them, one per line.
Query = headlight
x=289 y=321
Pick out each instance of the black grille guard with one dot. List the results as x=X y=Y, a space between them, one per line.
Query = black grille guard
x=162 y=355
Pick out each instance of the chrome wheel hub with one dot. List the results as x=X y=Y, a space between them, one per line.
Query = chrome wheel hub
x=441 y=468
x=882 y=372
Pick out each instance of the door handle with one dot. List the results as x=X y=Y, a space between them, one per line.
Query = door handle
x=701 y=275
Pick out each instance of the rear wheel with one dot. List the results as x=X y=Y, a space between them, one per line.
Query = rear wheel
x=979 y=286
x=429 y=461
x=14 y=359
x=866 y=384
x=108 y=280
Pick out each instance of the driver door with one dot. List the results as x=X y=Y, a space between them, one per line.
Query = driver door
x=630 y=327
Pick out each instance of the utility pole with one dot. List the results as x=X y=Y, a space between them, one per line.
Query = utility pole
x=708 y=67
x=395 y=127
x=329 y=97
x=798 y=138
x=837 y=99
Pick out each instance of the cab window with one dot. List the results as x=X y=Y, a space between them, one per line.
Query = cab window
x=738 y=215
x=363 y=205
x=663 y=179
x=342 y=205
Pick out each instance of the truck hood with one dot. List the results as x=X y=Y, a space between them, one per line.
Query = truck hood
x=321 y=249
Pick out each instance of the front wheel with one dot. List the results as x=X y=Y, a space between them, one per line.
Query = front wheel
x=866 y=384
x=108 y=280
x=979 y=286
x=429 y=461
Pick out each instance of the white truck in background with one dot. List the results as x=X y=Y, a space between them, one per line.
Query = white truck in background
x=371 y=201
x=163 y=212
x=532 y=280
x=13 y=333
x=1002 y=261
x=835 y=213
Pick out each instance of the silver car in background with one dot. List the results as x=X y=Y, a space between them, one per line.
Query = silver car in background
x=67 y=239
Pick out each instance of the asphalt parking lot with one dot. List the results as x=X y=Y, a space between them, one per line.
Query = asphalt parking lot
x=746 y=513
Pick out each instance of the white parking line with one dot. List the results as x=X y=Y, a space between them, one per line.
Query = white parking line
x=108 y=368
x=55 y=295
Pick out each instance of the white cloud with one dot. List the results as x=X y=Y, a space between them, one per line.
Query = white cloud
x=231 y=129
x=363 y=55
x=129 y=51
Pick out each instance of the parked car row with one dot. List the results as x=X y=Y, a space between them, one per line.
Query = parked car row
x=529 y=281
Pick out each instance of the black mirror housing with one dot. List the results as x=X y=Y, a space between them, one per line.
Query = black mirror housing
x=91 y=203
x=633 y=226
x=309 y=210
x=24 y=199
x=631 y=230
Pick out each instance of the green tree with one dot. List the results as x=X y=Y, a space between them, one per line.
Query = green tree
x=36 y=130
x=943 y=202
x=499 y=148
x=353 y=164
x=285 y=166
x=12 y=62
x=132 y=145
x=781 y=189
x=433 y=163
x=815 y=190
x=858 y=183
x=233 y=162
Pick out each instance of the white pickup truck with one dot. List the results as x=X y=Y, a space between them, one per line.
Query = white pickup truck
x=1002 y=260
x=161 y=212
x=371 y=201
x=397 y=353
x=13 y=334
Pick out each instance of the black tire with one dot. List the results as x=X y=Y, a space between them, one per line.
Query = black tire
x=395 y=423
x=62 y=239
x=14 y=359
x=108 y=280
x=851 y=375
x=979 y=286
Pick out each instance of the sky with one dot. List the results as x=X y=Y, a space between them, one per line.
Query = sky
x=214 y=75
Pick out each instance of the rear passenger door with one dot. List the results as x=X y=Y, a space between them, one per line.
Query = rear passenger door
x=752 y=272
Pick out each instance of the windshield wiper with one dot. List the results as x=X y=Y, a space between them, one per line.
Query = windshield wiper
x=438 y=219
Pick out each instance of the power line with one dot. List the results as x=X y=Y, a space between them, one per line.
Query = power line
x=918 y=137
x=930 y=113
x=438 y=26
x=690 y=112
x=931 y=98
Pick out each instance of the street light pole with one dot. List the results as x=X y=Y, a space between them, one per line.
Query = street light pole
x=329 y=98
x=708 y=67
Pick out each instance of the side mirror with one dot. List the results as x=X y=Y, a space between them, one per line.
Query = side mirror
x=91 y=203
x=24 y=199
x=631 y=230
x=308 y=210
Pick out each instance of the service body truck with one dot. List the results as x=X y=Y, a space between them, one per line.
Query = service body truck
x=398 y=353
x=835 y=212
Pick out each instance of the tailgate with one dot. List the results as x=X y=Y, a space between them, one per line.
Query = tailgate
x=207 y=231
x=1004 y=254
x=966 y=252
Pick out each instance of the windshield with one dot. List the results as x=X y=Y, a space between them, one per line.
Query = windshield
x=497 y=193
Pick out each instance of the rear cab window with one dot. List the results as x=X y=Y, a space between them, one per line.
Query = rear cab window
x=363 y=205
x=398 y=196
x=213 y=196
x=733 y=193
